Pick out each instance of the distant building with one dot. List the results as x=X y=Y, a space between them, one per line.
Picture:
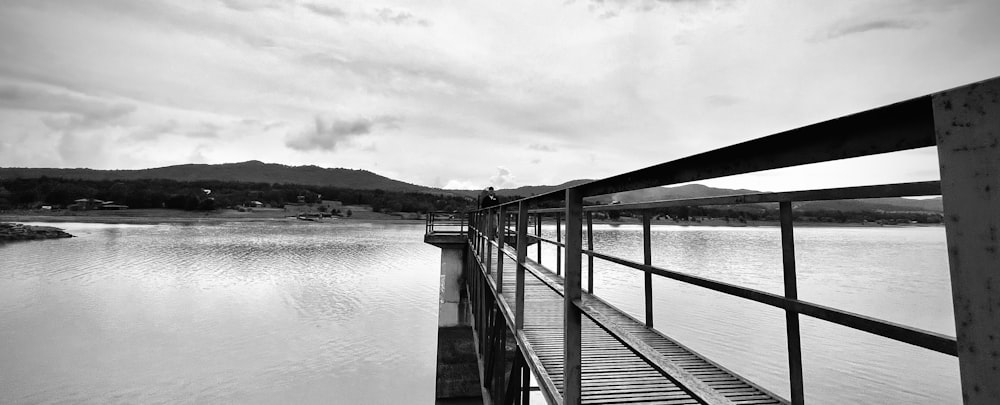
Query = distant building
x=110 y=205
x=84 y=204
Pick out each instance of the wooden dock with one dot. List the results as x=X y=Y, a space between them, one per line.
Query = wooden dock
x=613 y=373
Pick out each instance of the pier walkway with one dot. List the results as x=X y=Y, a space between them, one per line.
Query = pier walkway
x=512 y=318
x=614 y=373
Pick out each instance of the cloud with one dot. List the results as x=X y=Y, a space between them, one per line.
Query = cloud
x=155 y=131
x=83 y=149
x=249 y=5
x=327 y=11
x=384 y=15
x=390 y=16
x=398 y=72
x=455 y=184
x=327 y=137
x=613 y=8
x=719 y=100
x=503 y=178
x=841 y=30
x=541 y=147
x=204 y=130
x=198 y=155
x=36 y=99
x=72 y=110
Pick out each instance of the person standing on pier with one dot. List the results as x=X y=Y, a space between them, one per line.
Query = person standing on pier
x=489 y=199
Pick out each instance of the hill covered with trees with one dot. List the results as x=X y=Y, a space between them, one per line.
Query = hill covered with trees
x=211 y=194
x=245 y=172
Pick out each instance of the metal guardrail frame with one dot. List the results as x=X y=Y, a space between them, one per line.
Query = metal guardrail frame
x=440 y=222
x=964 y=124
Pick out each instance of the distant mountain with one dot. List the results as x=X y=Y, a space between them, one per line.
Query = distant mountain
x=523 y=191
x=699 y=191
x=671 y=193
x=528 y=191
x=258 y=172
x=250 y=172
x=875 y=204
x=929 y=204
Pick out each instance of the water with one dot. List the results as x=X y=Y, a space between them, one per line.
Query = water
x=231 y=313
x=347 y=313
x=893 y=273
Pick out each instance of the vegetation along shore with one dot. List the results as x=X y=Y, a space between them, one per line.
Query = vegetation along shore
x=15 y=232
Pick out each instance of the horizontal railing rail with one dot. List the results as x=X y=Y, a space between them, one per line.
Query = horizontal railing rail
x=964 y=125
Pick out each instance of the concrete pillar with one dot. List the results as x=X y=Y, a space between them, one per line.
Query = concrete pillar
x=457 y=363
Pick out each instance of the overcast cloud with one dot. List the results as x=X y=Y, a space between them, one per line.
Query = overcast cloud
x=471 y=93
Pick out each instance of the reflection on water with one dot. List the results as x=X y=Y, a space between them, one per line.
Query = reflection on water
x=240 y=312
x=896 y=274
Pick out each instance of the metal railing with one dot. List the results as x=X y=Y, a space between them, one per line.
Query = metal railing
x=445 y=223
x=963 y=123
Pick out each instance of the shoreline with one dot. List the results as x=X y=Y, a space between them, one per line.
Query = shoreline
x=762 y=224
x=15 y=232
x=162 y=216
x=136 y=217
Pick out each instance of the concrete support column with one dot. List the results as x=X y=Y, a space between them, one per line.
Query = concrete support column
x=457 y=364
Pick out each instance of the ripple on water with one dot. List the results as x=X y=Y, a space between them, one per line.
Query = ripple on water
x=213 y=313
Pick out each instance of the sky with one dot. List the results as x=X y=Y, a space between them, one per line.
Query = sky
x=465 y=94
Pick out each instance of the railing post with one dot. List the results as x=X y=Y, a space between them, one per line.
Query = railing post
x=647 y=259
x=559 y=249
x=967 y=126
x=538 y=233
x=791 y=292
x=522 y=255
x=590 y=247
x=572 y=351
x=525 y=385
x=489 y=238
x=502 y=228
x=478 y=236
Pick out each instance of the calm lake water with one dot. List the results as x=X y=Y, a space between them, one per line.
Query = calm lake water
x=231 y=313
x=347 y=313
x=899 y=274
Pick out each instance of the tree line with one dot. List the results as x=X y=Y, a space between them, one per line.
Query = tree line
x=205 y=195
x=761 y=212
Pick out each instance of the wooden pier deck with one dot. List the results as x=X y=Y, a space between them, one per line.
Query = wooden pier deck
x=613 y=373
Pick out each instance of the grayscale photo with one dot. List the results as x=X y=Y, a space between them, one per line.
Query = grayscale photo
x=608 y=202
